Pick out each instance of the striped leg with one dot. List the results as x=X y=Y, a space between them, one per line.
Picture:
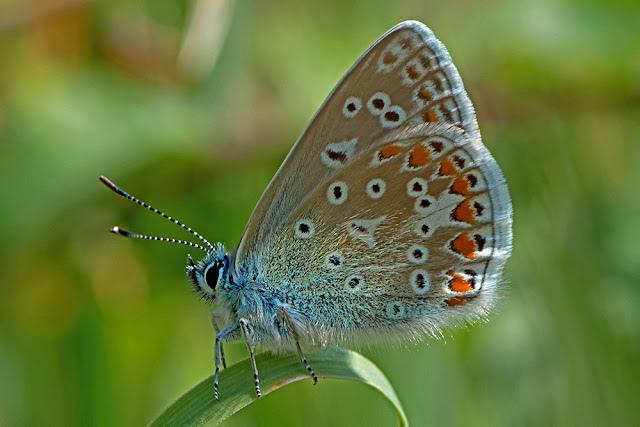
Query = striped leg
x=245 y=329
x=225 y=334
x=296 y=337
x=215 y=328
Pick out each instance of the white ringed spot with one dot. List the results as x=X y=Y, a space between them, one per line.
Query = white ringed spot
x=376 y=188
x=304 y=228
x=417 y=254
x=393 y=117
x=334 y=260
x=423 y=204
x=351 y=107
x=420 y=281
x=353 y=283
x=395 y=310
x=423 y=229
x=378 y=103
x=417 y=187
x=337 y=193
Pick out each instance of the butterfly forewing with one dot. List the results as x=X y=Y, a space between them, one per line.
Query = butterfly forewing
x=388 y=210
x=406 y=78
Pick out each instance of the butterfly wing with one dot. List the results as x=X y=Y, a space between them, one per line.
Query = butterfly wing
x=388 y=213
x=406 y=77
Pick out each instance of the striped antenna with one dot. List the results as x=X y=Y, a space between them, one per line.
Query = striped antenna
x=120 y=231
x=125 y=233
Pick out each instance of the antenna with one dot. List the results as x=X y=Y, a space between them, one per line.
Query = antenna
x=125 y=233
x=122 y=232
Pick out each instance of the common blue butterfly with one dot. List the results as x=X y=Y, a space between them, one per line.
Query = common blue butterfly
x=389 y=219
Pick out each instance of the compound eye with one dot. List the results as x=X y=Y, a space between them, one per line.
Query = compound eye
x=211 y=275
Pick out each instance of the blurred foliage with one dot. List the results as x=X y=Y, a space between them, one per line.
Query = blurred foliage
x=196 y=118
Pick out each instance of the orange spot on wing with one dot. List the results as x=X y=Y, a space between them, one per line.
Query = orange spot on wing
x=389 y=58
x=461 y=186
x=420 y=156
x=456 y=300
x=447 y=167
x=464 y=245
x=389 y=151
x=459 y=284
x=412 y=72
x=425 y=94
x=464 y=212
x=430 y=116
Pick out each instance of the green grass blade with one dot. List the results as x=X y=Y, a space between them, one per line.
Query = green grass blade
x=198 y=406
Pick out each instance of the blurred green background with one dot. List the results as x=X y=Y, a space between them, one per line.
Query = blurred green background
x=192 y=106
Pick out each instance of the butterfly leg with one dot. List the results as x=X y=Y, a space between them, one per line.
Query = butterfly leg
x=215 y=328
x=293 y=331
x=225 y=334
x=245 y=329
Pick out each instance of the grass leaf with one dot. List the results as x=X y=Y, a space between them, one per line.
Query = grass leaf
x=198 y=406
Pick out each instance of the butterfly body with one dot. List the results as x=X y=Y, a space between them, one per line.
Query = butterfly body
x=388 y=220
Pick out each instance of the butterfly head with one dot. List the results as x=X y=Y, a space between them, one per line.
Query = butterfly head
x=210 y=274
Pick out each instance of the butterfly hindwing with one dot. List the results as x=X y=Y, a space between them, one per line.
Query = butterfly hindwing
x=396 y=241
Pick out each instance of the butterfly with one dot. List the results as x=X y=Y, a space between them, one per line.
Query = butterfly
x=388 y=220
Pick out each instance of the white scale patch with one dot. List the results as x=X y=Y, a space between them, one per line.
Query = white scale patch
x=376 y=188
x=417 y=254
x=439 y=218
x=304 y=228
x=438 y=214
x=420 y=281
x=338 y=154
x=337 y=193
x=351 y=107
x=417 y=187
x=364 y=229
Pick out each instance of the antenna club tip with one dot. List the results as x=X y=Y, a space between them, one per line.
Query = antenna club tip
x=120 y=231
x=110 y=184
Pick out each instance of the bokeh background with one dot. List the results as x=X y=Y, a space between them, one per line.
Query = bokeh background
x=192 y=105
